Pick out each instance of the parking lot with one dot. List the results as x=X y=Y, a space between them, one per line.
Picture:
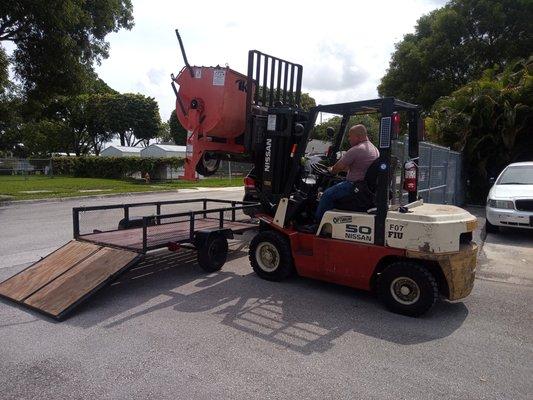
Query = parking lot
x=167 y=330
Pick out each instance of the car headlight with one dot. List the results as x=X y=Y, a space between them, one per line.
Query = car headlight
x=505 y=204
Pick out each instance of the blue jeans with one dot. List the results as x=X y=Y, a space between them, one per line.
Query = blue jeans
x=330 y=195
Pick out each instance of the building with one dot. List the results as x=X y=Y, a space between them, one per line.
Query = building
x=157 y=150
x=121 y=151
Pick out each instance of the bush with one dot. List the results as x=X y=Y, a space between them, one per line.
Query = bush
x=111 y=167
x=490 y=121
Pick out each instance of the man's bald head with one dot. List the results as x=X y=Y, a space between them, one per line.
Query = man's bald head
x=357 y=134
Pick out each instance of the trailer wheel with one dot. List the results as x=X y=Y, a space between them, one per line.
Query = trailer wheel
x=212 y=254
x=407 y=288
x=208 y=164
x=270 y=256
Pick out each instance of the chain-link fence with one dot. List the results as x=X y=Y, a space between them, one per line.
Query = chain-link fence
x=439 y=173
x=24 y=167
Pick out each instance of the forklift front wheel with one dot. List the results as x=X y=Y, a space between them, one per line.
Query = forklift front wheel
x=270 y=256
x=212 y=254
x=407 y=288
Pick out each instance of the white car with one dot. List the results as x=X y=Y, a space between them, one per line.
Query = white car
x=510 y=200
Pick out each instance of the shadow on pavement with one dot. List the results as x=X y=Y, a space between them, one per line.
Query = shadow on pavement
x=510 y=237
x=300 y=314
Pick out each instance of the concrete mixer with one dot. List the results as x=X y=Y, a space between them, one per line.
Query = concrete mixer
x=226 y=113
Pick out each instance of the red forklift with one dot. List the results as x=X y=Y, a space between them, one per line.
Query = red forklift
x=409 y=254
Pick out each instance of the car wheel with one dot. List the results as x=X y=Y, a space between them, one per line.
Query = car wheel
x=407 y=288
x=491 y=228
x=270 y=256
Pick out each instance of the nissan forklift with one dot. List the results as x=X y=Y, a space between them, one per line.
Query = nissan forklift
x=408 y=254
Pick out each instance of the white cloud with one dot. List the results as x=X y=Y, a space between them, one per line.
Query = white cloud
x=344 y=46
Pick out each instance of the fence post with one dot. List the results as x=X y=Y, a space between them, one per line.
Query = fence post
x=430 y=166
x=145 y=234
x=446 y=163
x=76 y=222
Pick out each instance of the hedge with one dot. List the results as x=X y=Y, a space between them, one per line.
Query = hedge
x=111 y=167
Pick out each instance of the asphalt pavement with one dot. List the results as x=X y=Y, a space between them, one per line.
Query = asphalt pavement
x=166 y=330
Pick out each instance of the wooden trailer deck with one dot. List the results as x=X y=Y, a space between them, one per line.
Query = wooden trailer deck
x=158 y=236
x=62 y=280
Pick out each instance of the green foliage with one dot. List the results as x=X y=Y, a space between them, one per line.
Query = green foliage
x=134 y=118
x=110 y=167
x=490 y=120
x=454 y=44
x=82 y=124
x=4 y=75
x=57 y=41
x=178 y=133
x=370 y=121
x=307 y=102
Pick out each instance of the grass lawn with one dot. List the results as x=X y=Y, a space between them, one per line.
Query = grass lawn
x=41 y=187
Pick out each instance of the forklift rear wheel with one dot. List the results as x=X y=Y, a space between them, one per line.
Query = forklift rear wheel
x=212 y=254
x=407 y=288
x=270 y=256
x=208 y=164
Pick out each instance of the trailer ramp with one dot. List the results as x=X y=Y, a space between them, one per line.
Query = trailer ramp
x=61 y=281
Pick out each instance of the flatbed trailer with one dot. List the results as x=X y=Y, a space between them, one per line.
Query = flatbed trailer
x=67 y=277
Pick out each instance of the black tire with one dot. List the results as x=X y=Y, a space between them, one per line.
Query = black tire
x=270 y=256
x=208 y=164
x=491 y=228
x=421 y=289
x=212 y=254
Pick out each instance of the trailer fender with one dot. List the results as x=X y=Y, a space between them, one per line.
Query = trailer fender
x=201 y=237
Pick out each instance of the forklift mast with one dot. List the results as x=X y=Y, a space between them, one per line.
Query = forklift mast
x=274 y=120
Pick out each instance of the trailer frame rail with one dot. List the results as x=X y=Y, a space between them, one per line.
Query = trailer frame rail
x=158 y=217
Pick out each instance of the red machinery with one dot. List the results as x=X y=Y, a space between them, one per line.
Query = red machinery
x=210 y=105
x=224 y=113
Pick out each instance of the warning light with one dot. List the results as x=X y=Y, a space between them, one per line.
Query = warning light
x=395 y=124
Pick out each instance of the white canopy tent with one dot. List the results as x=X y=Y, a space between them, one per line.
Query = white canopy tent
x=164 y=150
x=121 y=151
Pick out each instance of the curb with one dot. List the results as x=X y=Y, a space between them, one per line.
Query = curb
x=103 y=195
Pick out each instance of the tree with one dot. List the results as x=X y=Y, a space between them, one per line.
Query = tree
x=490 y=120
x=4 y=75
x=454 y=45
x=134 y=118
x=177 y=132
x=57 y=41
x=370 y=121
x=307 y=102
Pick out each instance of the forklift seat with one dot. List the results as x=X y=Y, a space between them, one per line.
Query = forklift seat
x=363 y=197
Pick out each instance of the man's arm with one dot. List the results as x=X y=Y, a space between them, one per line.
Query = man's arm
x=345 y=161
x=338 y=167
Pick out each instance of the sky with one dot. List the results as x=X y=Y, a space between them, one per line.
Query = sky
x=344 y=46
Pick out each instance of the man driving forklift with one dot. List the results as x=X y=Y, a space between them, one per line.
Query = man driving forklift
x=355 y=162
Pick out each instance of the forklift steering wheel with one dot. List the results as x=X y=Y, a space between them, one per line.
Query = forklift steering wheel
x=321 y=169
